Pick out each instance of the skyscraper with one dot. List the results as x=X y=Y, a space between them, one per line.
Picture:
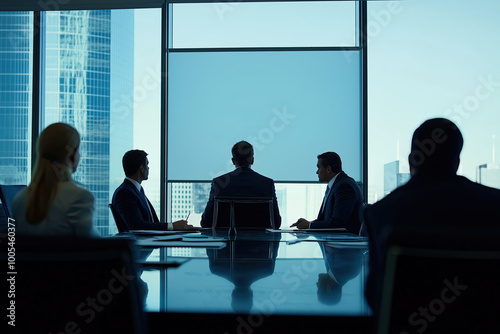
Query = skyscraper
x=16 y=35
x=393 y=178
x=489 y=175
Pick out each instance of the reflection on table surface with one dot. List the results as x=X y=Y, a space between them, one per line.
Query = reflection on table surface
x=260 y=272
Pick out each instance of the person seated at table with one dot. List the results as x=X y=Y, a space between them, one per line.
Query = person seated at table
x=342 y=200
x=435 y=198
x=243 y=181
x=130 y=201
x=53 y=203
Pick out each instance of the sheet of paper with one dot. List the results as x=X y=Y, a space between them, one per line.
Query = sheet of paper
x=347 y=244
x=153 y=232
x=201 y=238
x=175 y=243
x=283 y=231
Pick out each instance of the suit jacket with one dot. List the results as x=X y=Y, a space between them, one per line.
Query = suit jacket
x=428 y=204
x=132 y=206
x=243 y=181
x=70 y=213
x=342 y=206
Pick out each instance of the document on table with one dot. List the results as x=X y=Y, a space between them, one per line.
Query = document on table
x=331 y=238
x=347 y=244
x=283 y=231
x=332 y=230
x=155 y=232
x=155 y=242
x=347 y=238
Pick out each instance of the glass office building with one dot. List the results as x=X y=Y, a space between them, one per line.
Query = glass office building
x=16 y=58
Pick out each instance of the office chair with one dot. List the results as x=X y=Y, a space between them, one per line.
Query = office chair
x=120 y=223
x=7 y=194
x=441 y=283
x=243 y=212
x=77 y=285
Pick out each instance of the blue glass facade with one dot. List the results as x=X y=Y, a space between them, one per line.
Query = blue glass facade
x=78 y=80
x=16 y=34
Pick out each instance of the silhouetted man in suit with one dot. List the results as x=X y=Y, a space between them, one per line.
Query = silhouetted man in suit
x=342 y=200
x=434 y=198
x=243 y=181
x=130 y=201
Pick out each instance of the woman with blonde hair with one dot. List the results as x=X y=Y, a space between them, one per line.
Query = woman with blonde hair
x=54 y=204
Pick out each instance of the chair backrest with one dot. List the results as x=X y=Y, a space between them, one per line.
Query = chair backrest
x=243 y=212
x=77 y=285
x=7 y=193
x=443 y=286
x=120 y=223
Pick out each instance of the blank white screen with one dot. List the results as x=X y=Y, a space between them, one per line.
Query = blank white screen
x=218 y=98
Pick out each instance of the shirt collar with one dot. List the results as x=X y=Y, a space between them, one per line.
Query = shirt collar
x=135 y=183
x=330 y=184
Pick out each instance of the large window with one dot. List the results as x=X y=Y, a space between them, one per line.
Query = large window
x=432 y=59
x=285 y=76
x=103 y=78
x=100 y=72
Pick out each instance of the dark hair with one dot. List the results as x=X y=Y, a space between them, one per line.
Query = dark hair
x=331 y=159
x=242 y=153
x=132 y=160
x=436 y=147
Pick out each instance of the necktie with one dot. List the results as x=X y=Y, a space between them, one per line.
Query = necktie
x=147 y=204
x=324 y=198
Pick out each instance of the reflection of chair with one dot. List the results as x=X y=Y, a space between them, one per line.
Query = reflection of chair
x=7 y=194
x=448 y=285
x=246 y=212
x=120 y=223
x=67 y=284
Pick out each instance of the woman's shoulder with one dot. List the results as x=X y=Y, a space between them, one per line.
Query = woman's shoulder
x=74 y=188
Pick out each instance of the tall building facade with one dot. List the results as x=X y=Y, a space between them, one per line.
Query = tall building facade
x=489 y=175
x=393 y=178
x=87 y=63
x=16 y=45
x=182 y=200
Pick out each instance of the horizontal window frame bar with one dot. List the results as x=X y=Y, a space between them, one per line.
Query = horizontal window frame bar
x=266 y=49
x=58 y=5
x=250 y=1
x=276 y=182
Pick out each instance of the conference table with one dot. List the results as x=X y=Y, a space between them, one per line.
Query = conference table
x=254 y=281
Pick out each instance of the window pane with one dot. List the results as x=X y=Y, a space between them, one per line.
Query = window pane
x=291 y=106
x=272 y=24
x=16 y=59
x=448 y=68
x=295 y=200
x=105 y=82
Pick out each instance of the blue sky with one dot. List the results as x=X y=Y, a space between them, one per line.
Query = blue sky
x=434 y=59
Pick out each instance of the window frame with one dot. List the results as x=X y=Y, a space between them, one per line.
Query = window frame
x=57 y=5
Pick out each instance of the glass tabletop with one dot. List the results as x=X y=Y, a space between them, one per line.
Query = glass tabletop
x=259 y=272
